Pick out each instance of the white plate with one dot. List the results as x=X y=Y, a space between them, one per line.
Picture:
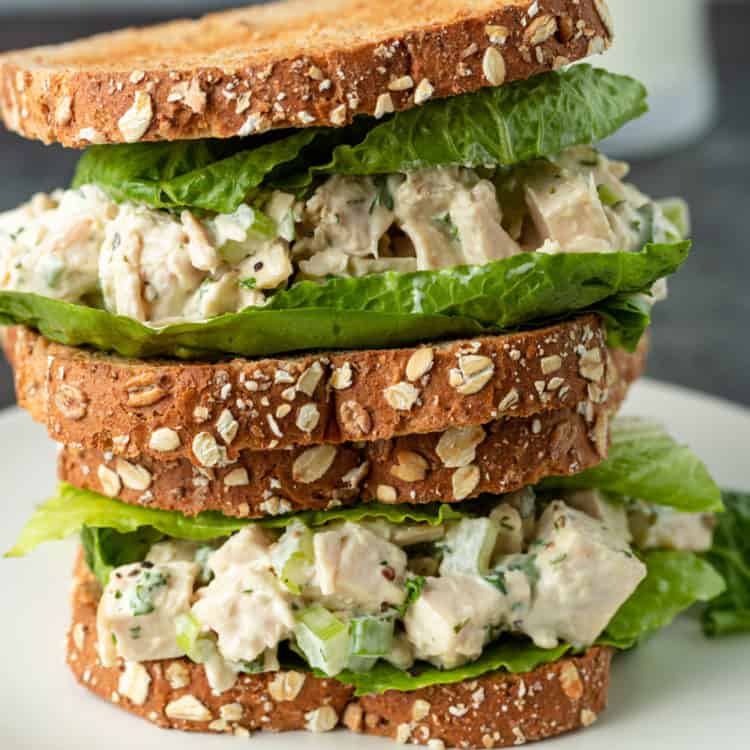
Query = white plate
x=677 y=691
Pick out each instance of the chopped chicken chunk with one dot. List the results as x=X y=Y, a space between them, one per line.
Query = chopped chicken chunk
x=582 y=575
x=452 y=620
x=355 y=567
x=248 y=610
x=136 y=615
x=658 y=527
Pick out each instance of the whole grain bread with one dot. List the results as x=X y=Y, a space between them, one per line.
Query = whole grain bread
x=495 y=710
x=460 y=463
x=292 y=64
x=209 y=412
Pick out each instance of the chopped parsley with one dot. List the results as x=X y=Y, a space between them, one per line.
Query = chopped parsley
x=413 y=588
x=141 y=598
x=383 y=196
x=446 y=224
x=527 y=565
x=497 y=579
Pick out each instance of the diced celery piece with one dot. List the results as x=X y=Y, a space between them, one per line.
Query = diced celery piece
x=197 y=647
x=468 y=546
x=608 y=196
x=292 y=556
x=263 y=225
x=361 y=664
x=371 y=636
x=323 y=639
x=676 y=211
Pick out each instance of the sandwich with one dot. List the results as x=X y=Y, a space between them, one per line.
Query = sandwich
x=332 y=326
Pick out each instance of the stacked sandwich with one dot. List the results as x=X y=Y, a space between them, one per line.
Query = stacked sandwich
x=332 y=327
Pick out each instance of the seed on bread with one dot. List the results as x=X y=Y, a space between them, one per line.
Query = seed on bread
x=493 y=66
x=342 y=377
x=313 y=463
x=109 y=480
x=473 y=373
x=70 y=402
x=308 y=417
x=465 y=481
x=227 y=426
x=355 y=419
x=188 y=708
x=540 y=30
x=206 y=450
x=410 y=466
x=236 y=477
x=134 y=682
x=386 y=493
x=164 y=440
x=310 y=378
x=457 y=446
x=134 y=477
x=590 y=364
x=420 y=363
x=286 y=685
x=322 y=719
x=401 y=396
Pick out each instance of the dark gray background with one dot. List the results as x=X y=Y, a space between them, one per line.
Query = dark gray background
x=700 y=336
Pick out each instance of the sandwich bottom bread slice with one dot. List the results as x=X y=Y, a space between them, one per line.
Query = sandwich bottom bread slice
x=480 y=623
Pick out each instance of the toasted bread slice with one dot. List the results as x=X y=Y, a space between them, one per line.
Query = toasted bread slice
x=495 y=710
x=209 y=412
x=287 y=65
x=501 y=456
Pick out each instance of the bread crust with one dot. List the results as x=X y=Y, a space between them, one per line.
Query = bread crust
x=288 y=65
x=513 y=452
x=114 y=404
x=495 y=710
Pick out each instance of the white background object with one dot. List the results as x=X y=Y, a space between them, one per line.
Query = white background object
x=678 y=691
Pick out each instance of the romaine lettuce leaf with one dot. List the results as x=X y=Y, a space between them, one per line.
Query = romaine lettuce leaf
x=674 y=582
x=379 y=310
x=72 y=509
x=107 y=549
x=645 y=462
x=505 y=125
x=730 y=555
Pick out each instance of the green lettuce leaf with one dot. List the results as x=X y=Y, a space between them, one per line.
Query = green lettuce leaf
x=513 y=656
x=107 y=549
x=381 y=310
x=72 y=509
x=730 y=555
x=505 y=125
x=674 y=582
x=645 y=462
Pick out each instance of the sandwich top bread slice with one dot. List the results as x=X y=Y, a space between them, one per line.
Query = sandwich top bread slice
x=290 y=65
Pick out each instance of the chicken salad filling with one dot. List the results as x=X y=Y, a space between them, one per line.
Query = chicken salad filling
x=548 y=568
x=160 y=267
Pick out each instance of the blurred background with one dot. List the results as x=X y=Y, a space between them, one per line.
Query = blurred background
x=695 y=142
